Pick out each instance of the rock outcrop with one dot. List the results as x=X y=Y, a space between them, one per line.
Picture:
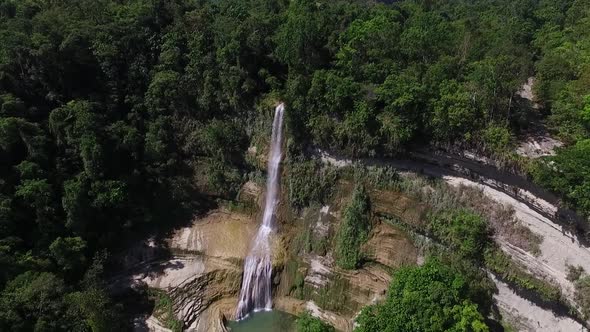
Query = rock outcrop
x=202 y=277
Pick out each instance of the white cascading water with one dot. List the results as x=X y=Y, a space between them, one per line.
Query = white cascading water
x=255 y=294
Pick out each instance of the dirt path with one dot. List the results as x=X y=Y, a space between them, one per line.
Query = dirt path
x=558 y=247
x=526 y=316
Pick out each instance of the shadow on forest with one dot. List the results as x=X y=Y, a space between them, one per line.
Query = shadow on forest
x=146 y=253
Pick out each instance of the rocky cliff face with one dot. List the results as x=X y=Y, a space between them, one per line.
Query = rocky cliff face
x=203 y=275
x=202 y=278
x=311 y=281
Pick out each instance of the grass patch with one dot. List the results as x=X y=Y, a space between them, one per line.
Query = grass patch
x=309 y=182
x=163 y=310
x=333 y=296
x=582 y=295
x=244 y=207
x=308 y=323
x=499 y=263
x=382 y=178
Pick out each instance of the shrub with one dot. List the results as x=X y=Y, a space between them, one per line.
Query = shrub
x=574 y=272
x=308 y=323
x=463 y=231
x=432 y=297
x=582 y=295
x=567 y=175
x=309 y=182
x=501 y=264
x=353 y=230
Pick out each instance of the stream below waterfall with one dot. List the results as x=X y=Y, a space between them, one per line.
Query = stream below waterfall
x=264 y=321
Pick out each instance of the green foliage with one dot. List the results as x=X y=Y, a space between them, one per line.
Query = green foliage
x=432 y=297
x=115 y=115
x=36 y=192
x=392 y=77
x=563 y=70
x=353 y=230
x=107 y=111
x=582 y=295
x=97 y=310
x=499 y=263
x=465 y=232
x=69 y=253
x=164 y=311
x=33 y=301
x=307 y=323
x=309 y=182
x=566 y=174
x=29 y=170
x=454 y=114
x=497 y=138
x=301 y=38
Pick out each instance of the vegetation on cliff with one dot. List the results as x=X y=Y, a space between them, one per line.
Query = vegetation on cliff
x=308 y=323
x=354 y=230
x=118 y=117
x=432 y=297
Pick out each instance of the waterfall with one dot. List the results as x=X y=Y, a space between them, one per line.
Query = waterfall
x=256 y=284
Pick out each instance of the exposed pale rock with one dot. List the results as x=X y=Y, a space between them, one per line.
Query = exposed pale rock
x=320 y=270
x=538 y=146
x=250 y=192
x=559 y=247
x=322 y=226
x=528 y=317
x=297 y=307
x=205 y=272
x=219 y=234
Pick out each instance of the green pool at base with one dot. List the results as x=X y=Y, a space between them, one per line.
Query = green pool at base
x=265 y=321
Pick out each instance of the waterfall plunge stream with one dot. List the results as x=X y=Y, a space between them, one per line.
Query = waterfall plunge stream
x=255 y=294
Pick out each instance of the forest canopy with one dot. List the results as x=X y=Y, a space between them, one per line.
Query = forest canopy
x=119 y=117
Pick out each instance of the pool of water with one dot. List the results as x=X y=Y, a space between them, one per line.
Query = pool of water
x=265 y=321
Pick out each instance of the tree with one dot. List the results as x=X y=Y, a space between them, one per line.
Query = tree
x=369 y=47
x=97 y=310
x=353 y=230
x=33 y=301
x=301 y=38
x=307 y=323
x=454 y=114
x=565 y=174
x=432 y=297
x=464 y=231
x=69 y=253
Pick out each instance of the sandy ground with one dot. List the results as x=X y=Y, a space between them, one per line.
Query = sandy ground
x=526 y=316
x=558 y=247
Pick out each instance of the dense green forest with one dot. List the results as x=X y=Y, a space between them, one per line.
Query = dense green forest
x=120 y=118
